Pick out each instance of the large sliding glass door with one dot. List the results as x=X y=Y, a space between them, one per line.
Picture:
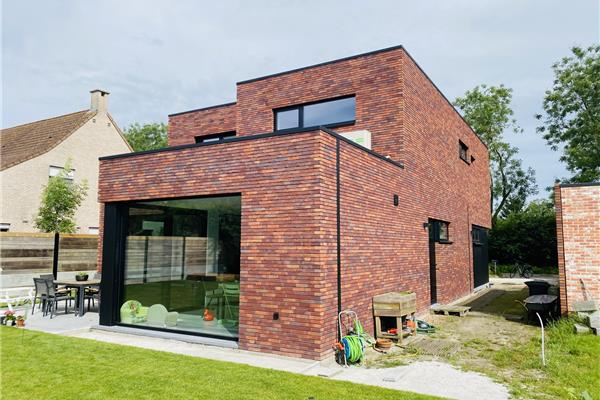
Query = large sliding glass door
x=182 y=265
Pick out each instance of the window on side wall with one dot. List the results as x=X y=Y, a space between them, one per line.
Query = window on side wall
x=439 y=231
x=4 y=227
x=463 y=151
x=330 y=113
x=93 y=230
x=55 y=171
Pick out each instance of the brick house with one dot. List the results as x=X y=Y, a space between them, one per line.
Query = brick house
x=578 y=240
x=316 y=190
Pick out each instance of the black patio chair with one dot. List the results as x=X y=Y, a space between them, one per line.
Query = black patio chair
x=93 y=294
x=54 y=297
x=41 y=293
x=60 y=289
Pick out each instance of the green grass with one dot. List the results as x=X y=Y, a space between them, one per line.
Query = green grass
x=507 y=303
x=43 y=366
x=573 y=364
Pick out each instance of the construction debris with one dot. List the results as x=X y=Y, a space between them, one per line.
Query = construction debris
x=581 y=329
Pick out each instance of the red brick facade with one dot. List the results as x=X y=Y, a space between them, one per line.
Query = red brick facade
x=578 y=240
x=288 y=185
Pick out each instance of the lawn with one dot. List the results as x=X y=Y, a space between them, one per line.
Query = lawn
x=44 y=366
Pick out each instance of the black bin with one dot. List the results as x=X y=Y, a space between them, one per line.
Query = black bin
x=537 y=287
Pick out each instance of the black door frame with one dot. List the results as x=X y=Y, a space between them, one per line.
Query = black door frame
x=432 y=262
x=479 y=241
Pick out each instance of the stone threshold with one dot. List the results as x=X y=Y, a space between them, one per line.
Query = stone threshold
x=229 y=344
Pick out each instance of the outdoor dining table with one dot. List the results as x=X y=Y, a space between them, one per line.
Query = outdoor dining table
x=81 y=286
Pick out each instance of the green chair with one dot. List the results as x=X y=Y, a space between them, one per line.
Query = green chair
x=132 y=312
x=231 y=296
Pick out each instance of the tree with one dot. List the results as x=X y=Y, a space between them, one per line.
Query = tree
x=487 y=109
x=146 y=137
x=572 y=113
x=60 y=199
x=527 y=236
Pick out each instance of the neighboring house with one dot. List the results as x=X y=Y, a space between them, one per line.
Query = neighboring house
x=33 y=152
x=316 y=190
x=578 y=240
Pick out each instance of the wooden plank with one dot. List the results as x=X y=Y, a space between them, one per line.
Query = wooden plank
x=460 y=311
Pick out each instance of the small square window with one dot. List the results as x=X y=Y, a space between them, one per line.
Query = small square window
x=463 y=151
x=439 y=231
x=443 y=231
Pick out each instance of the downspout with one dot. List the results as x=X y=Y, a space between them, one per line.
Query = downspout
x=339 y=244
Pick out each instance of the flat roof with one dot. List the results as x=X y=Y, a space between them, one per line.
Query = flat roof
x=203 y=108
x=369 y=53
x=578 y=184
x=256 y=137
x=386 y=49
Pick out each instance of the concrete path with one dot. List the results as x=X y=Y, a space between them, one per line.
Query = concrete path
x=426 y=377
x=551 y=279
x=429 y=377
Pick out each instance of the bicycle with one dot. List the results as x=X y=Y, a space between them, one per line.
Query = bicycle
x=523 y=270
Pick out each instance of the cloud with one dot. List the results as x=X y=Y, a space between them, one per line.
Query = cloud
x=160 y=57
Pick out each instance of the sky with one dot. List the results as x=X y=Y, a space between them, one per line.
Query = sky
x=160 y=57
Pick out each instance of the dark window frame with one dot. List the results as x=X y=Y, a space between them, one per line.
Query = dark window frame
x=476 y=236
x=221 y=136
x=116 y=222
x=463 y=151
x=300 y=108
x=435 y=230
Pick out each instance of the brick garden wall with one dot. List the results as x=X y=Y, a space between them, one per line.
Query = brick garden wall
x=578 y=240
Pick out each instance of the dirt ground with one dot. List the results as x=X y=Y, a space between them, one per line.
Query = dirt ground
x=496 y=321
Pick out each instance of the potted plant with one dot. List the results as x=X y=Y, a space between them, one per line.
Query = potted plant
x=9 y=317
x=20 y=321
x=81 y=276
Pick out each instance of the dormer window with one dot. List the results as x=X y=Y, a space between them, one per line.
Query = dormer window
x=463 y=151
x=341 y=111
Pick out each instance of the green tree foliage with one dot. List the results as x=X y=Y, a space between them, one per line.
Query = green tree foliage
x=527 y=236
x=487 y=109
x=146 y=137
x=60 y=199
x=572 y=113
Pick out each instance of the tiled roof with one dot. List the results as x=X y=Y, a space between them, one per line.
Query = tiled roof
x=24 y=142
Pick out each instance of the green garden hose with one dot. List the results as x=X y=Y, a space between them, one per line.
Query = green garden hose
x=353 y=348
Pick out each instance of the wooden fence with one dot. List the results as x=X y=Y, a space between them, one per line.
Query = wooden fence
x=31 y=254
